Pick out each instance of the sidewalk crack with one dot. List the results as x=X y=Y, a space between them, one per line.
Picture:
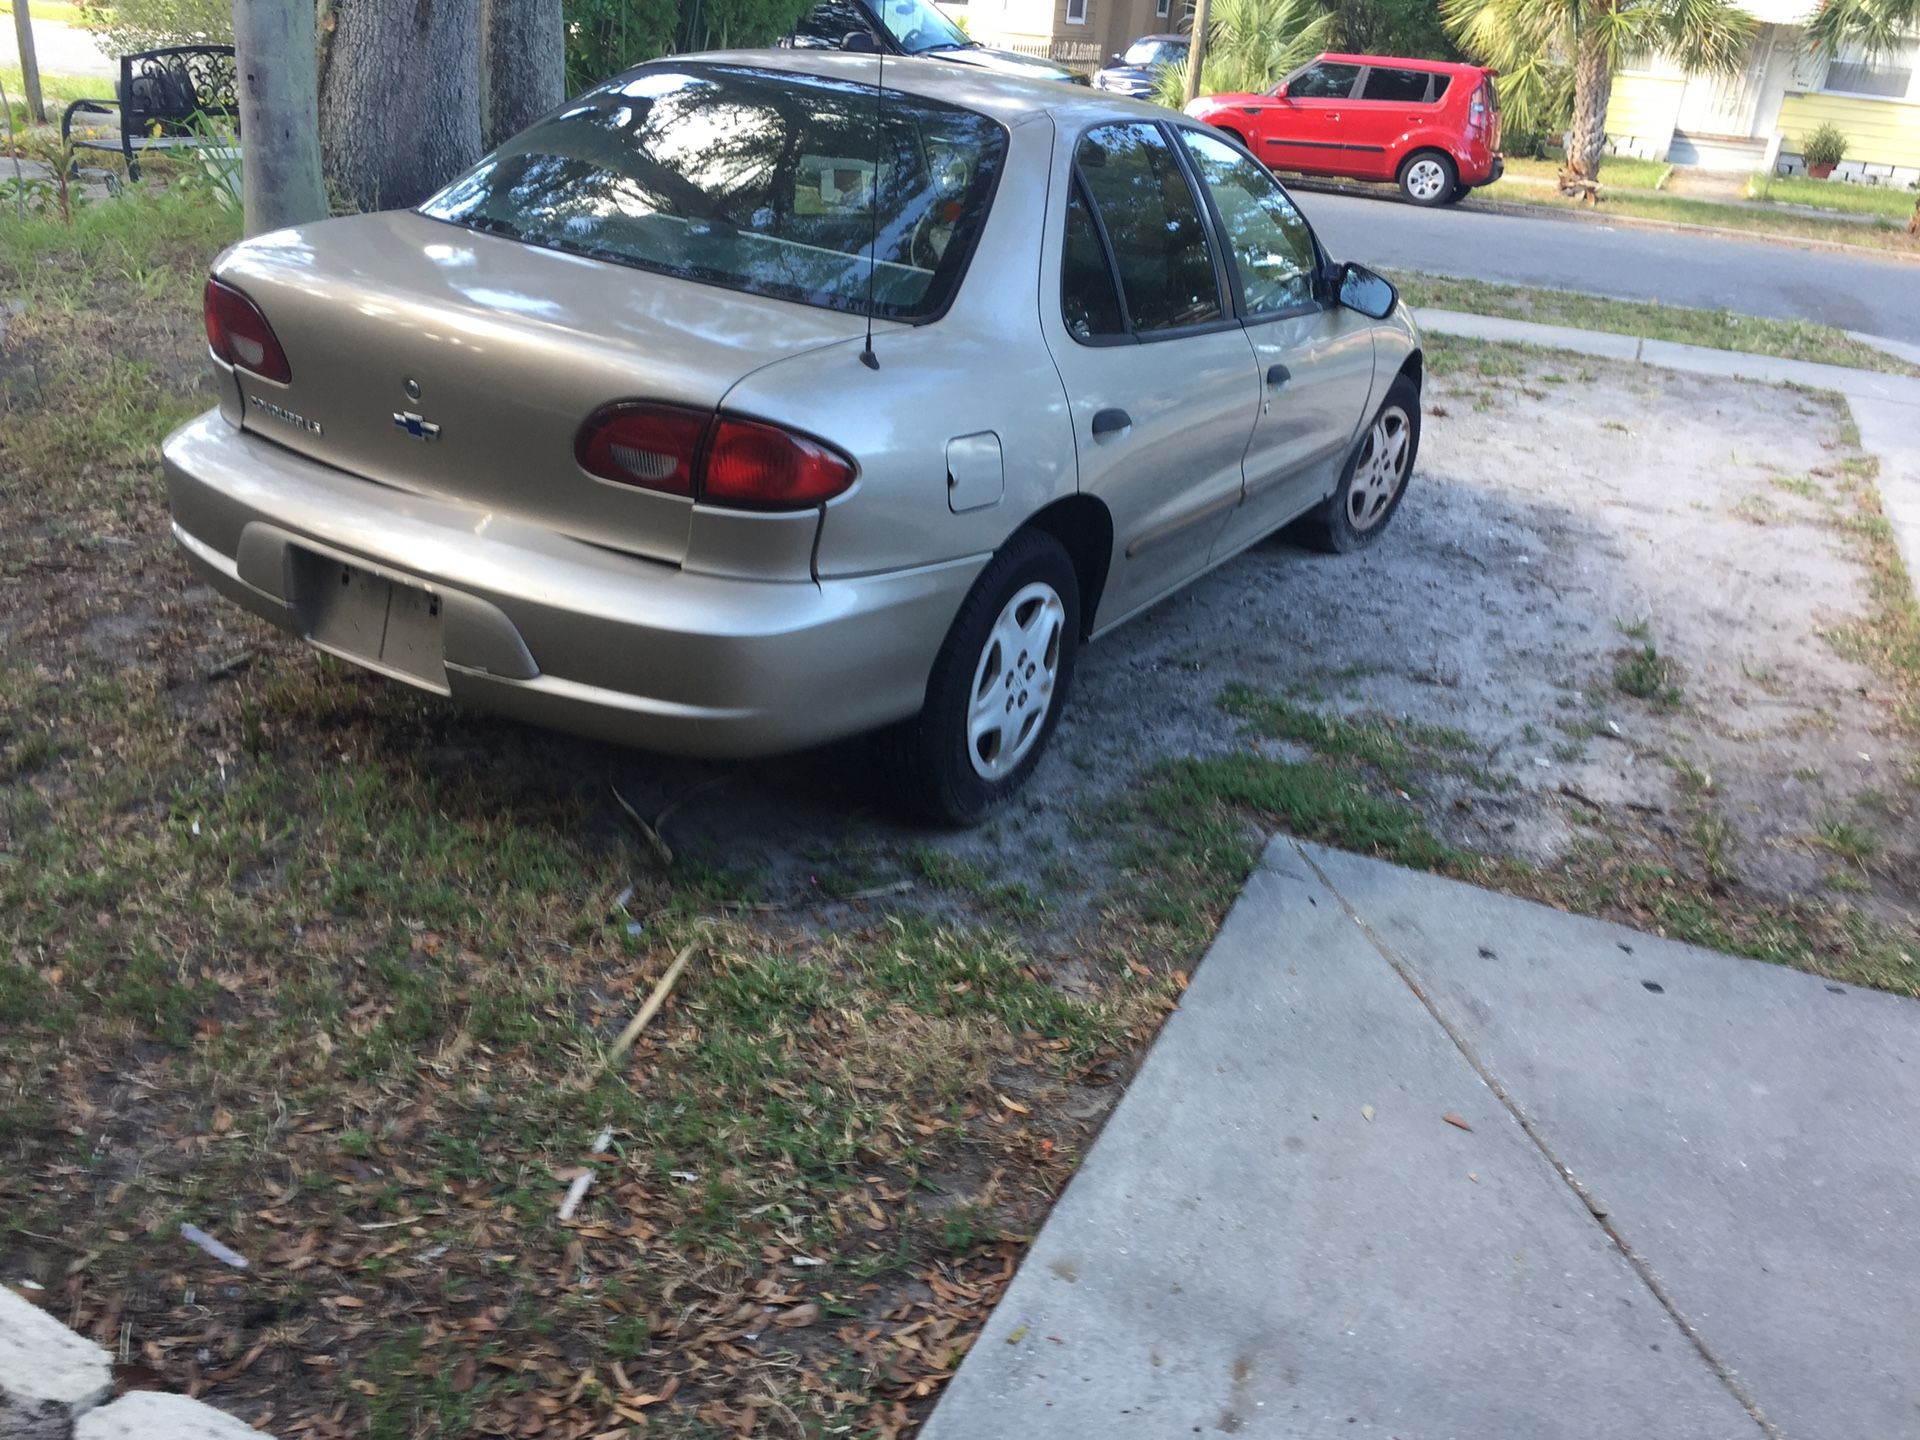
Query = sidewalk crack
x=1594 y=1207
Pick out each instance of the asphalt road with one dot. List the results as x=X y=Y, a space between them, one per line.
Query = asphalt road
x=61 y=50
x=1864 y=292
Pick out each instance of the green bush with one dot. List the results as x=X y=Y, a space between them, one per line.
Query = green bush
x=1824 y=145
x=129 y=25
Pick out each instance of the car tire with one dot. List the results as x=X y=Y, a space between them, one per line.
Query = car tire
x=1375 y=478
x=1015 y=639
x=1460 y=192
x=1428 y=177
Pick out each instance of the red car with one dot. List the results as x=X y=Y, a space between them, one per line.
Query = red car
x=1430 y=127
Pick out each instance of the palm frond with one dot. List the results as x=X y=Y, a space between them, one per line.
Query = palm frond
x=1251 y=45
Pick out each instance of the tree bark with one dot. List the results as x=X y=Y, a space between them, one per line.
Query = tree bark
x=523 y=65
x=399 y=98
x=279 y=113
x=1197 y=49
x=1587 y=138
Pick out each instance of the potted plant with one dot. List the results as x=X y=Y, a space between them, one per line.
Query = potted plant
x=1824 y=148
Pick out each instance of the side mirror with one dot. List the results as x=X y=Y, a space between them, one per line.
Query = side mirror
x=1280 y=91
x=859 y=42
x=1113 y=60
x=1360 y=289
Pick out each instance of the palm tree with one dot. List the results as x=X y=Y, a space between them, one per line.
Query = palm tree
x=1531 y=42
x=1876 y=26
x=1251 y=45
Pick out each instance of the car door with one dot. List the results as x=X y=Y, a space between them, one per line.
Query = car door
x=1392 y=104
x=1159 y=376
x=1314 y=355
x=1304 y=130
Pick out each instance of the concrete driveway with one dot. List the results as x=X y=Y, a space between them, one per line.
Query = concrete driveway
x=1871 y=293
x=1415 y=1160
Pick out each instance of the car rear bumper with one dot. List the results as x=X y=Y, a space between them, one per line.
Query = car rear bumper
x=1480 y=165
x=532 y=624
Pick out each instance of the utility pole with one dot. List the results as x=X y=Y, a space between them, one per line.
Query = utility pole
x=273 y=42
x=29 y=65
x=1197 y=50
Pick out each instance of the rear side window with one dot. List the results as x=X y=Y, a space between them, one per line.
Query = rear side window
x=1089 y=305
x=1398 y=87
x=1152 y=222
x=753 y=180
x=1440 y=84
x=1323 y=80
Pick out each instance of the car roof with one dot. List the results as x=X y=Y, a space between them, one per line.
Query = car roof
x=1163 y=35
x=1010 y=99
x=1399 y=62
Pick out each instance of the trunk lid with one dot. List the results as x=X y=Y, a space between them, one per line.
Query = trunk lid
x=459 y=365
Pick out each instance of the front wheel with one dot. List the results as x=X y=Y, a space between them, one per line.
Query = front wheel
x=1375 y=480
x=1429 y=178
x=997 y=687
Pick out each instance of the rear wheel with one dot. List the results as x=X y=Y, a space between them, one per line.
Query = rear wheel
x=1375 y=480
x=997 y=686
x=1460 y=192
x=1428 y=177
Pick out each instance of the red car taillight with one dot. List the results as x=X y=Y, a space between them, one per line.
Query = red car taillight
x=716 y=459
x=240 y=335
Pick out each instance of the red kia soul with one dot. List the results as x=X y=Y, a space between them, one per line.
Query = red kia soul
x=1430 y=127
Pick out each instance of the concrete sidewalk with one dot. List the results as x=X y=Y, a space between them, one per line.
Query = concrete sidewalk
x=1683 y=1209
x=1886 y=408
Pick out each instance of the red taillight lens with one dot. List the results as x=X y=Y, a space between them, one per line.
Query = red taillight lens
x=653 y=446
x=762 y=467
x=240 y=335
x=717 y=460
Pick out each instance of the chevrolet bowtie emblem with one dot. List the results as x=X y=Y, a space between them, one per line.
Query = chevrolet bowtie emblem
x=419 y=427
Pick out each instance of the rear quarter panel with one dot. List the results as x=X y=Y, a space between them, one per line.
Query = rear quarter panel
x=983 y=367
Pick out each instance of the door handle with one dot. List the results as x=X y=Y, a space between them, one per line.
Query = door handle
x=1278 y=375
x=1110 y=422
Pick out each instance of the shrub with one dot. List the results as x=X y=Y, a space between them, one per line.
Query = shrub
x=1824 y=145
x=129 y=25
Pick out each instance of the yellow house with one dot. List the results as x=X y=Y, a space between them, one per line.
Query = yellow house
x=1758 y=117
x=1082 y=33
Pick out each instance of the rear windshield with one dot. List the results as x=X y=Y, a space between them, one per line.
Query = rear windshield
x=752 y=179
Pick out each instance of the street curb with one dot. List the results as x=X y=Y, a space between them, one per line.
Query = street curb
x=1475 y=206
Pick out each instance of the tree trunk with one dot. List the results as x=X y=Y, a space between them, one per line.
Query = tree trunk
x=279 y=108
x=399 y=98
x=1197 y=49
x=1587 y=138
x=523 y=65
x=29 y=64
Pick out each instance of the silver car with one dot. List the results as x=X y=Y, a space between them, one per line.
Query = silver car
x=741 y=405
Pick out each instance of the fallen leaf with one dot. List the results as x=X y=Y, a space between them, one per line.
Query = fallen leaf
x=1014 y=1337
x=1456 y=1121
x=1366 y=1113
x=798 y=1317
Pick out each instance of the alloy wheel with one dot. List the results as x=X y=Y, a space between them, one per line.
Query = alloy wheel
x=1014 y=681
x=1426 y=179
x=1381 y=468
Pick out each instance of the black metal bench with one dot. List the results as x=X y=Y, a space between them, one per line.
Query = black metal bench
x=166 y=98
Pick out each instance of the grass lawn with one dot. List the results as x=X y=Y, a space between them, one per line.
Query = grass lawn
x=56 y=92
x=1617 y=172
x=1884 y=200
x=332 y=971
x=1720 y=329
x=1649 y=205
x=65 y=11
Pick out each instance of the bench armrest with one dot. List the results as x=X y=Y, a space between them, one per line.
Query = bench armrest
x=91 y=107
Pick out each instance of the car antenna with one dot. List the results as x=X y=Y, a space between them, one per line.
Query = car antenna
x=867 y=357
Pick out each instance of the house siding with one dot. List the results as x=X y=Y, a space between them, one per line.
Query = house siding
x=1642 y=112
x=1880 y=132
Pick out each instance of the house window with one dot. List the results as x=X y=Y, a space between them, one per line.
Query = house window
x=1160 y=9
x=1076 y=12
x=1856 y=71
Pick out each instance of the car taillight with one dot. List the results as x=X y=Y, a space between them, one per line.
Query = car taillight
x=762 y=467
x=716 y=459
x=240 y=335
x=653 y=446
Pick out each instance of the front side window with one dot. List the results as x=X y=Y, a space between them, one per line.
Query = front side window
x=767 y=182
x=1271 y=244
x=1152 y=221
x=1397 y=87
x=1323 y=80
